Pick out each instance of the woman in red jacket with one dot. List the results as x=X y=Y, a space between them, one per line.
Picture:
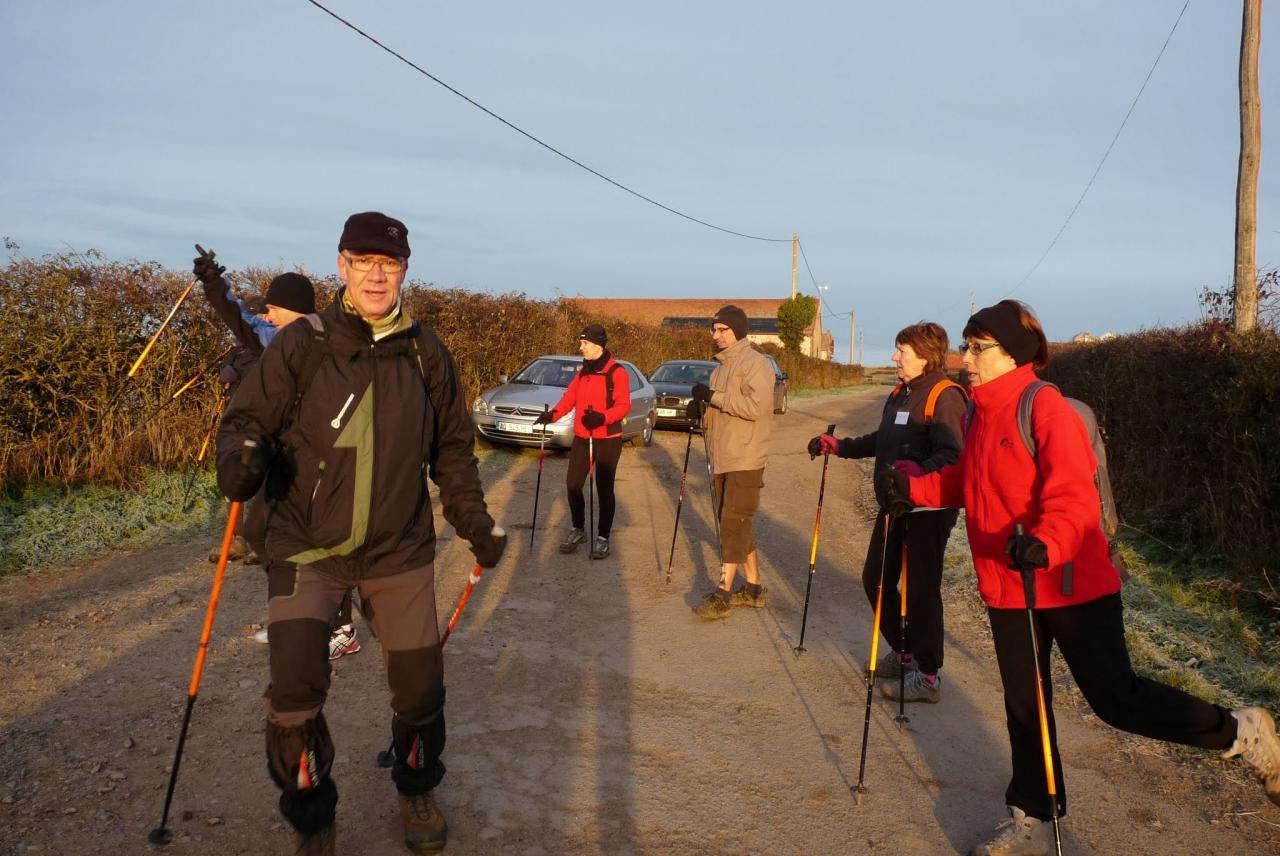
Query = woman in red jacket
x=600 y=397
x=1053 y=498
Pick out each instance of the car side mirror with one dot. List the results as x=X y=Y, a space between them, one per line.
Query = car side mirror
x=502 y=378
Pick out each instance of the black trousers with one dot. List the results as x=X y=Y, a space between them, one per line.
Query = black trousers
x=925 y=534
x=607 y=452
x=1091 y=638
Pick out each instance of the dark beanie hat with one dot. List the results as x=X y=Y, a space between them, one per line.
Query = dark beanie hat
x=733 y=318
x=375 y=232
x=292 y=291
x=594 y=333
x=1002 y=322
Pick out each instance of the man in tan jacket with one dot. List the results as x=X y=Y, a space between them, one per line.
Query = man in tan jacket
x=738 y=412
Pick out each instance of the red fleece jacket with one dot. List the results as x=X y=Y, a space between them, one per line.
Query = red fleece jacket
x=587 y=391
x=999 y=484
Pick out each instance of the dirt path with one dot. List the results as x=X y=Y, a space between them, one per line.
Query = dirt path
x=589 y=711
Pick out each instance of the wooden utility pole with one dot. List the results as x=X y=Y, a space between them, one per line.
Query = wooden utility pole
x=853 y=335
x=795 y=250
x=1246 y=275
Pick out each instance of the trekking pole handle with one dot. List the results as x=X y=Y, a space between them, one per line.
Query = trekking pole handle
x=1028 y=574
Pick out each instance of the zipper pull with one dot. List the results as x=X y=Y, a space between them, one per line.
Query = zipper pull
x=337 y=421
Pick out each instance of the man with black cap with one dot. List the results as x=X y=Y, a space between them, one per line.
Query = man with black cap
x=288 y=297
x=345 y=419
x=738 y=410
x=600 y=397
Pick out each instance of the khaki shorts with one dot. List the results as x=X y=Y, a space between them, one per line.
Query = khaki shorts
x=738 y=497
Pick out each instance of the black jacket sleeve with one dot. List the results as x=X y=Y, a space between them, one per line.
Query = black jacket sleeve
x=858 y=447
x=257 y=411
x=452 y=460
x=229 y=311
x=946 y=431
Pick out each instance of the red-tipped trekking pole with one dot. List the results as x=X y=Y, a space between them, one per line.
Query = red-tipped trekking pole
x=684 y=476
x=860 y=789
x=161 y=834
x=813 y=550
x=1029 y=594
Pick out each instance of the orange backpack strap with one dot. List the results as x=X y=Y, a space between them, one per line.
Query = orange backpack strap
x=938 y=388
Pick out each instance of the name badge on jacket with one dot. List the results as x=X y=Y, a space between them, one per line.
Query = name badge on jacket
x=901 y=418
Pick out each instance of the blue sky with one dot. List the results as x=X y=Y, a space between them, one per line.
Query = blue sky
x=923 y=153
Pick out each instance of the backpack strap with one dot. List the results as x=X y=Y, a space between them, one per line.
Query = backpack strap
x=316 y=352
x=1025 y=403
x=608 y=386
x=940 y=387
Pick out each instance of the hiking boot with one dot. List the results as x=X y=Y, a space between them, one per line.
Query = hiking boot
x=892 y=664
x=1019 y=836
x=714 y=605
x=425 y=829
x=261 y=636
x=571 y=541
x=322 y=843
x=600 y=548
x=343 y=641
x=252 y=558
x=744 y=597
x=239 y=549
x=915 y=687
x=1256 y=740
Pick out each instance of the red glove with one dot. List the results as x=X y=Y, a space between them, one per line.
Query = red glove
x=909 y=468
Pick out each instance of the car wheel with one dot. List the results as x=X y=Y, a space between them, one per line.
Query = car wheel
x=645 y=437
x=783 y=408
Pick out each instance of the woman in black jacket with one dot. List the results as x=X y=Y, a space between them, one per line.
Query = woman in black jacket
x=923 y=424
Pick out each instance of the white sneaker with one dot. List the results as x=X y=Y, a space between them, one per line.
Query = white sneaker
x=343 y=641
x=1256 y=740
x=261 y=636
x=1019 y=836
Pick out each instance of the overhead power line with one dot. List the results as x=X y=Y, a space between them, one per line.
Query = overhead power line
x=1105 y=154
x=531 y=137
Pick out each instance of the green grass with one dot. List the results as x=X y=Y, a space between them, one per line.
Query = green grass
x=45 y=526
x=835 y=390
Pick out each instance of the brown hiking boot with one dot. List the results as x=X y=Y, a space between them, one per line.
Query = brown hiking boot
x=322 y=843
x=744 y=597
x=715 y=605
x=425 y=829
x=239 y=549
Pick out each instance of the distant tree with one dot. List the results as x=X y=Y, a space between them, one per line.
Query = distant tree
x=795 y=316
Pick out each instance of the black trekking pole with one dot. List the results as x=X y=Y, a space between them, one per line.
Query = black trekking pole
x=860 y=788
x=902 y=717
x=1029 y=593
x=161 y=834
x=684 y=475
x=711 y=483
x=813 y=550
x=542 y=451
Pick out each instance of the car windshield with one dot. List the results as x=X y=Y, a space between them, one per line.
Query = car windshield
x=689 y=373
x=548 y=372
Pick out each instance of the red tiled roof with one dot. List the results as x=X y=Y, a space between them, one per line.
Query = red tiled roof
x=652 y=310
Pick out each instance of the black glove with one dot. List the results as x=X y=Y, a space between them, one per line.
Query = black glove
x=544 y=418
x=205 y=269
x=240 y=481
x=701 y=392
x=591 y=420
x=489 y=546
x=694 y=410
x=894 y=485
x=1026 y=552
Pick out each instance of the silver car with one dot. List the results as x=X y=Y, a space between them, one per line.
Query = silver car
x=505 y=413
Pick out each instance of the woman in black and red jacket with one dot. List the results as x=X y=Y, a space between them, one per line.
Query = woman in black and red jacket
x=600 y=396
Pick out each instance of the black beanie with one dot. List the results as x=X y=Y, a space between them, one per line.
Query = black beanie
x=733 y=318
x=292 y=291
x=1002 y=322
x=375 y=232
x=595 y=334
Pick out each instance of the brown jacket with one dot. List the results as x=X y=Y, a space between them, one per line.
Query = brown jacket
x=740 y=419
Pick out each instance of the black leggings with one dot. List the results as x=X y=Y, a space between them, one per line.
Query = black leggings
x=607 y=452
x=1091 y=638
x=926 y=534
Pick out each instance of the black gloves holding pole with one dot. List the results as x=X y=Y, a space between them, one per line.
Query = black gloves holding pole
x=895 y=487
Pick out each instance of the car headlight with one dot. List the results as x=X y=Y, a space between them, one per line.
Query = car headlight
x=480 y=405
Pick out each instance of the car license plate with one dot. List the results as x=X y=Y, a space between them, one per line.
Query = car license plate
x=515 y=427
x=666 y=411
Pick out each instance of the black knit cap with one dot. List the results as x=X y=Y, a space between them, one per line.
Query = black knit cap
x=291 y=291
x=595 y=334
x=733 y=318
x=375 y=232
x=1002 y=322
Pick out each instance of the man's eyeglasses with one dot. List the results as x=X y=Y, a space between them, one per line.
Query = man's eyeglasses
x=367 y=263
x=976 y=348
x=717 y=329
